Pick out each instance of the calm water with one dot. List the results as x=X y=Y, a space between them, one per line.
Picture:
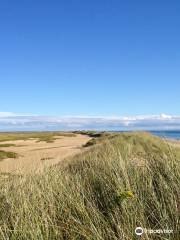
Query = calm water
x=167 y=134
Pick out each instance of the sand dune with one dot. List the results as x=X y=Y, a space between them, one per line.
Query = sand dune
x=34 y=155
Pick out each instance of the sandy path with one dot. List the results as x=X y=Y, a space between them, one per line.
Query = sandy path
x=34 y=156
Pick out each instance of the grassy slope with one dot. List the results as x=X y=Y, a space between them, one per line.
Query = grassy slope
x=128 y=181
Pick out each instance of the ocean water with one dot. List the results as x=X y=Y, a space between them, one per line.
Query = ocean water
x=167 y=134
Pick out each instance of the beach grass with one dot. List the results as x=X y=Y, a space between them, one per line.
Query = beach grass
x=126 y=181
x=5 y=154
x=7 y=145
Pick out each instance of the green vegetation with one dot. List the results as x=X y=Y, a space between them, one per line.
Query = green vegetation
x=46 y=158
x=99 y=137
x=41 y=136
x=4 y=155
x=7 y=145
x=94 y=134
x=128 y=180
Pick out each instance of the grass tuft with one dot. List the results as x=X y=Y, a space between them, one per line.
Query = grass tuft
x=7 y=145
x=4 y=155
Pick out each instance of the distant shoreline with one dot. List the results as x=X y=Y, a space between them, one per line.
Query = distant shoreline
x=168 y=134
x=173 y=135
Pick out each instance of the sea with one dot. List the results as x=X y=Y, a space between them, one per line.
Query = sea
x=167 y=134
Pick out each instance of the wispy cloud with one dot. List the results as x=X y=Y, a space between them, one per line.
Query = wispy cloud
x=6 y=114
x=14 y=122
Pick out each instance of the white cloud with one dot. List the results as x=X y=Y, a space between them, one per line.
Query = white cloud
x=164 y=116
x=11 y=121
x=6 y=114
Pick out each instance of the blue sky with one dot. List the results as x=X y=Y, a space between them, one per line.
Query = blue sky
x=92 y=58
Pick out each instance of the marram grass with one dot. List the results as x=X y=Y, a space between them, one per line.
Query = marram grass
x=129 y=181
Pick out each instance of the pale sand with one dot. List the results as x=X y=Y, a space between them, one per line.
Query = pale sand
x=34 y=156
x=175 y=143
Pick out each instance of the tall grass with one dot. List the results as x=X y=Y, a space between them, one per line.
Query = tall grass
x=102 y=194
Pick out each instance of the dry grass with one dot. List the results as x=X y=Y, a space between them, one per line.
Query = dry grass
x=102 y=194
